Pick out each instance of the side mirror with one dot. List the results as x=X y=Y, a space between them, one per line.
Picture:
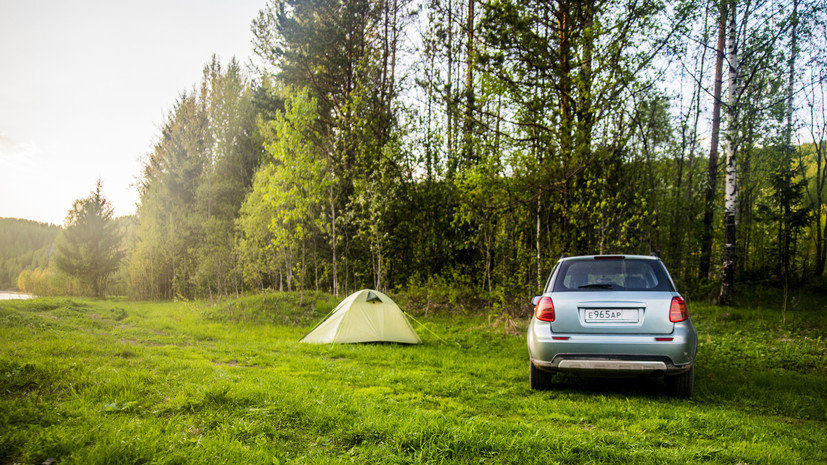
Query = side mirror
x=535 y=300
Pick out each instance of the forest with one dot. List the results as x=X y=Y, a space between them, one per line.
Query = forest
x=462 y=144
x=24 y=245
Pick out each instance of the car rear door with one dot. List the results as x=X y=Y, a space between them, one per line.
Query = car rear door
x=613 y=312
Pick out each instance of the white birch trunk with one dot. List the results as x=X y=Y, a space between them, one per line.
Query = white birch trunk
x=730 y=149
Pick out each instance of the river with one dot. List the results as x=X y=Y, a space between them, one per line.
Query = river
x=7 y=295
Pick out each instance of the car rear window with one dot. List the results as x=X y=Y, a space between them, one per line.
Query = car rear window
x=614 y=274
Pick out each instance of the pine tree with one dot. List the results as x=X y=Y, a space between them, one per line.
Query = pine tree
x=89 y=246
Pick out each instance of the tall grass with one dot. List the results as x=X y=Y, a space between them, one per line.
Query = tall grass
x=86 y=381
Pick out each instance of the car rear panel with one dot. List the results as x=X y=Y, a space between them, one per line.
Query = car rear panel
x=632 y=312
x=548 y=349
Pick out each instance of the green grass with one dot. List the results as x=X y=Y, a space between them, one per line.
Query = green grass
x=90 y=381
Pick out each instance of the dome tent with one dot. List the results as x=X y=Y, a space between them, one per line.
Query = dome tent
x=364 y=316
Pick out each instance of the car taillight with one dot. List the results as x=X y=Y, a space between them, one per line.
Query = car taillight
x=677 y=311
x=544 y=311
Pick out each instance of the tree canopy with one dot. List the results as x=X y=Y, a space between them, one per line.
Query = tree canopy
x=387 y=144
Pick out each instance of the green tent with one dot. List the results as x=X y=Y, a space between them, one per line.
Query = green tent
x=364 y=316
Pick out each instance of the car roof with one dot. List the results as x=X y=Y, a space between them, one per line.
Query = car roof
x=615 y=256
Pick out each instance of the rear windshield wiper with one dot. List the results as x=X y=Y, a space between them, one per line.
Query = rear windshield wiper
x=596 y=286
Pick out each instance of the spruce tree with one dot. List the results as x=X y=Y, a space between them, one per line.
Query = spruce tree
x=88 y=248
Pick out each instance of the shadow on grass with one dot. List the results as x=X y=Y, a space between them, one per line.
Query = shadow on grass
x=643 y=387
x=776 y=392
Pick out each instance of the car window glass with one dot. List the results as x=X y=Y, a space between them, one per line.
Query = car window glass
x=591 y=274
x=547 y=287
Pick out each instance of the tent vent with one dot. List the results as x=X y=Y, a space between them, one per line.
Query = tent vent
x=373 y=298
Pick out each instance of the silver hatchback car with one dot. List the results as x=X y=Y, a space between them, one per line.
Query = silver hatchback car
x=612 y=315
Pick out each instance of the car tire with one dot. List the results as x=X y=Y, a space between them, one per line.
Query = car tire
x=681 y=385
x=539 y=380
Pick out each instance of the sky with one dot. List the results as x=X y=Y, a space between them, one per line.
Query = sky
x=85 y=86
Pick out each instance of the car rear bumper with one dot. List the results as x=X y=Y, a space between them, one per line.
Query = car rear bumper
x=610 y=365
x=613 y=354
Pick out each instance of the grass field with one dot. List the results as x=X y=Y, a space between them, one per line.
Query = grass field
x=93 y=381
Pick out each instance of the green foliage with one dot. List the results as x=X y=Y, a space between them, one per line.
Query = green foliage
x=334 y=58
x=192 y=188
x=258 y=258
x=346 y=67
x=89 y=247
x=517 y=132
x=281 y=212
x=24 y=245
x=104 y=381
x=51 y=282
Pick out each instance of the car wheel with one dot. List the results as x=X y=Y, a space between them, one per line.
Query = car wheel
x=681 y=385
x=538 y=380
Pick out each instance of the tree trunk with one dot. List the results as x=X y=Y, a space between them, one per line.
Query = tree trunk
x=449 y=93
x=730 y=146
x=817 y=131
x=376 y=252
x=654 y=235
x=539 y=249
x=565 y=131
x=301 y=283
x=469 y=89
x=565 y=87
x=288 y=270
x=686 y=205
x=487 y=254
x=583 y=107
x=333 y=235
x=821 y=247
x=786 y=194
x=712 y=180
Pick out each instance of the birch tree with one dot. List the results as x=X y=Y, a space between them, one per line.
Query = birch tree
x=730 y=152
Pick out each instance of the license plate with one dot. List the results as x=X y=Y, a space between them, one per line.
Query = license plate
x=611 y=315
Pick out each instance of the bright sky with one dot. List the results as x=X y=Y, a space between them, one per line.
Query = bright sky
x=85 y=86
